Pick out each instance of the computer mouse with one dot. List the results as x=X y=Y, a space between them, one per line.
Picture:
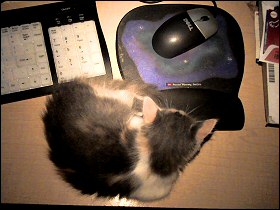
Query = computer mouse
x=183 y=32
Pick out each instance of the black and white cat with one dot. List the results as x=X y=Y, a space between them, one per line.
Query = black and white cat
x=119 y=138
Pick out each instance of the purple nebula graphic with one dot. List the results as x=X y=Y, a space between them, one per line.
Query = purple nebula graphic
x=211 y=59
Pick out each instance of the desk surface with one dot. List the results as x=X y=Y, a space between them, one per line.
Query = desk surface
x=236 y=169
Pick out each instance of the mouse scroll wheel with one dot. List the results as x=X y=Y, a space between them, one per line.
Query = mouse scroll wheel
x=203 y=18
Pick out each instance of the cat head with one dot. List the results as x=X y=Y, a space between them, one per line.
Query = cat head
x=201 y=129
x=174 y=136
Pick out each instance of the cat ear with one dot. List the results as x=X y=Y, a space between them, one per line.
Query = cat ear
x=205 y=128
x=150 y=109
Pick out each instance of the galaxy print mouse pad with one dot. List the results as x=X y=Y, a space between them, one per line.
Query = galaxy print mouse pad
x=206 y=78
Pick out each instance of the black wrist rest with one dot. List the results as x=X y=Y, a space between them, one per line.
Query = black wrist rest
x=206 y=104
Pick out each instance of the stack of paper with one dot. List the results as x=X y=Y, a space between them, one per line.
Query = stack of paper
x=267 y=54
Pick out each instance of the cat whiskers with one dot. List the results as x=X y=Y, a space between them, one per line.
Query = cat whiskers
x=191 y=111
x=167 y=104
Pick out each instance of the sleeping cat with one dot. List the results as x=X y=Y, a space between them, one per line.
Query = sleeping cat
x=120 y=138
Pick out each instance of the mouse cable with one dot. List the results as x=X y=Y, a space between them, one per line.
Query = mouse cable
x=216 y=8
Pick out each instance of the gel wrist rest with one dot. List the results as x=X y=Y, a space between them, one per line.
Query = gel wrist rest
x=207 y=104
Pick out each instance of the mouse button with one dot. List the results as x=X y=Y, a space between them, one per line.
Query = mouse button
x=207 y=28
x=197 y=13
x=204 y=21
